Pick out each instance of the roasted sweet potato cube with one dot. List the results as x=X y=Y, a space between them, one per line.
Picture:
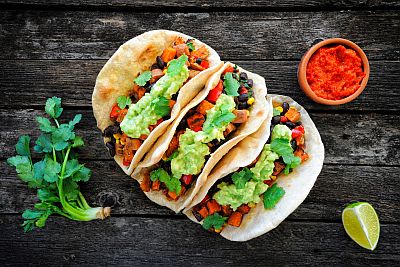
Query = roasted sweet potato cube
x=213 y=206
x=244 y=209
x=156 y=185
x=292 y=114
x=226 y=210
x=145 y=183
x=235 y=219
x=241 y=115
x=168 y=54
x=230 y=128
x=204 y=106
x=201 y=52
x=203 y=212
x=196 y=121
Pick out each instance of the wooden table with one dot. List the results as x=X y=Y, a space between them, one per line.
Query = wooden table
x=57 y=47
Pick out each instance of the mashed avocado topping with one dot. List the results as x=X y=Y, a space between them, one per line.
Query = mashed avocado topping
x=230 y=194
x=144 y=113
x=193 y=148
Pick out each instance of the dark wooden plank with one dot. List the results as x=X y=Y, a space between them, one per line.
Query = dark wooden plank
x=349 y=138
x=73 y=80
x=245 y=35
x=336 y=187
x=162 y=241
x=209 y=4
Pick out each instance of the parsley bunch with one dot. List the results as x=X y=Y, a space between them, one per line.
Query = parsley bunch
x=57 y=175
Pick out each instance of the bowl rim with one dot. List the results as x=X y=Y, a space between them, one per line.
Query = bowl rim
x=303 y=67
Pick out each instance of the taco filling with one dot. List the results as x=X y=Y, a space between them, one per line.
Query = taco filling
x=152 y=97
x=202 y=131
x=235 y=194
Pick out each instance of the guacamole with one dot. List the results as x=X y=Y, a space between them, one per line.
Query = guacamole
x=193 y=148
x=143 y=113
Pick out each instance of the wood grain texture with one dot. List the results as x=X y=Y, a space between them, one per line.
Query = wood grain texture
x=73 y=80
x=336 y=187
x=245 y=35
x=209 y=4
x=135 y=241
x=371 y=139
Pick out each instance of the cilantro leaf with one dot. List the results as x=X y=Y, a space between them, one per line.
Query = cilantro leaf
x=191 y=47
x=23 y=167
x=61 y=136
x=224 y=119
x=241 y=178
x=161 y=106
x=78 y=142
x=173 y=155
x=175 y=66
x=75 y=121
x=45 y=124
x=38 y=169
x=272 y=196
x=71 y=189
x=123 y=101
x=22 y=147
x=71 y=168
x=83 y=174
x=231 y=85
x=46 y=195
x=283 y=148
x=172 y=183
x=53 y=107
x=51 y=170
x=276 y=112
x=143 y=78
x=43 y=144
x=216 y=221
x=31 y=214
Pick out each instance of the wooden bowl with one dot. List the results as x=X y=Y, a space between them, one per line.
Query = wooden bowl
x=301 y=74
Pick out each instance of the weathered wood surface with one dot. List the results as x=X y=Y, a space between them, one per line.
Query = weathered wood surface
x=210 y=4
x=247 y=35
x=132 y=241
x=337 y=186
x=73 y=80
x=370 y=138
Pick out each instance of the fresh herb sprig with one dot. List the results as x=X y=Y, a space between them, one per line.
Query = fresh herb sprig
x=57 y=175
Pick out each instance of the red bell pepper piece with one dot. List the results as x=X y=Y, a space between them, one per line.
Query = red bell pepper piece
x=284 y=119
x=228 y=69
x=243 y=90
x=300 y=128
x=187 y=179
x=205 y=64
x=114 y=112
x=205 y=199
x=268 y=182
x=296 y=133
x=126 y=162
x=214 y=94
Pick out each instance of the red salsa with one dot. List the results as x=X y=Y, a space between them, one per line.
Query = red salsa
x=335 y=72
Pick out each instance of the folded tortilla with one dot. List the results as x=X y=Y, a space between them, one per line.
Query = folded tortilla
x=117 y=76
x=297 y=184
x=258 y=113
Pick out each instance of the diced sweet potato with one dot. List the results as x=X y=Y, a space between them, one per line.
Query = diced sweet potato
x=171 y=103
x=172 y=195
x=196 y=66
x=244 y=209
x=226 y=210
x=122 y=114
x=241 y=115
x=292 y=114
x=155 y=75
x=173 y=145
x=143 y=137
x=132 y=144
x=128 y=154
x=279 y=167
x=181 y=49
x=168 y=54
x=213 y=206
x=179 y=40
x=156 y=185
x=145 y=183
x=235 y=219
x=230 y=128
x=201 y=52
x=203 y=107
x=196 y=121
x=203 y=212
x=301 y=154
x=183 y=190
x=138 y=92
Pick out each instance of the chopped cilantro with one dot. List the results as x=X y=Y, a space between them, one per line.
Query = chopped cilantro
x=241 y=178
x=191 y=47
x=45 y=124
x=224 y=119
x=123 y=101
x=161 y=106
x=143 y=78
x=283 y=148
x=216 y=221
x=272 y=196
x=231 y=85
x=172 y=183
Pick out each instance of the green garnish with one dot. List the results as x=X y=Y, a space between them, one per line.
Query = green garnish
x=175 y=66
x=123 y=101
x=231 y=85
x=216 y=221
x=56 y=176
x=143 y=78
x=172 y=183
x=283 y=148
x=241 y=178
x=161 y=106
x=276 y=112
x=272 y=196
x=191 y=47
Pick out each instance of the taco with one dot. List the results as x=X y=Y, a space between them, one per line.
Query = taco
x=264 y=178
x=231 y=106
x=142 y=88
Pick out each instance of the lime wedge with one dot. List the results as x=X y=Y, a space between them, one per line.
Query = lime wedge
x=362 y=224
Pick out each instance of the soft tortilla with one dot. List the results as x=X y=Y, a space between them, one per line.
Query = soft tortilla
x=297 y=184
x=258 y=114
x=117 y=78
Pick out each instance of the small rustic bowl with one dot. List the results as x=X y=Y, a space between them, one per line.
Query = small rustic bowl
x=301 y=74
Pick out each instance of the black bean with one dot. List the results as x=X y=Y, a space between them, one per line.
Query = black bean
x=160 y=62
x=154 y=66
x=293 y=143
x=110 y=130
x=299 y=123
x=250 y=82
x=198 y=60
x=285 y=107
x=197 y=216
x=243 y=105
x=290 y=124
x=243 y=76
x=243 y=98
x=111 y=148
x=276 y=120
